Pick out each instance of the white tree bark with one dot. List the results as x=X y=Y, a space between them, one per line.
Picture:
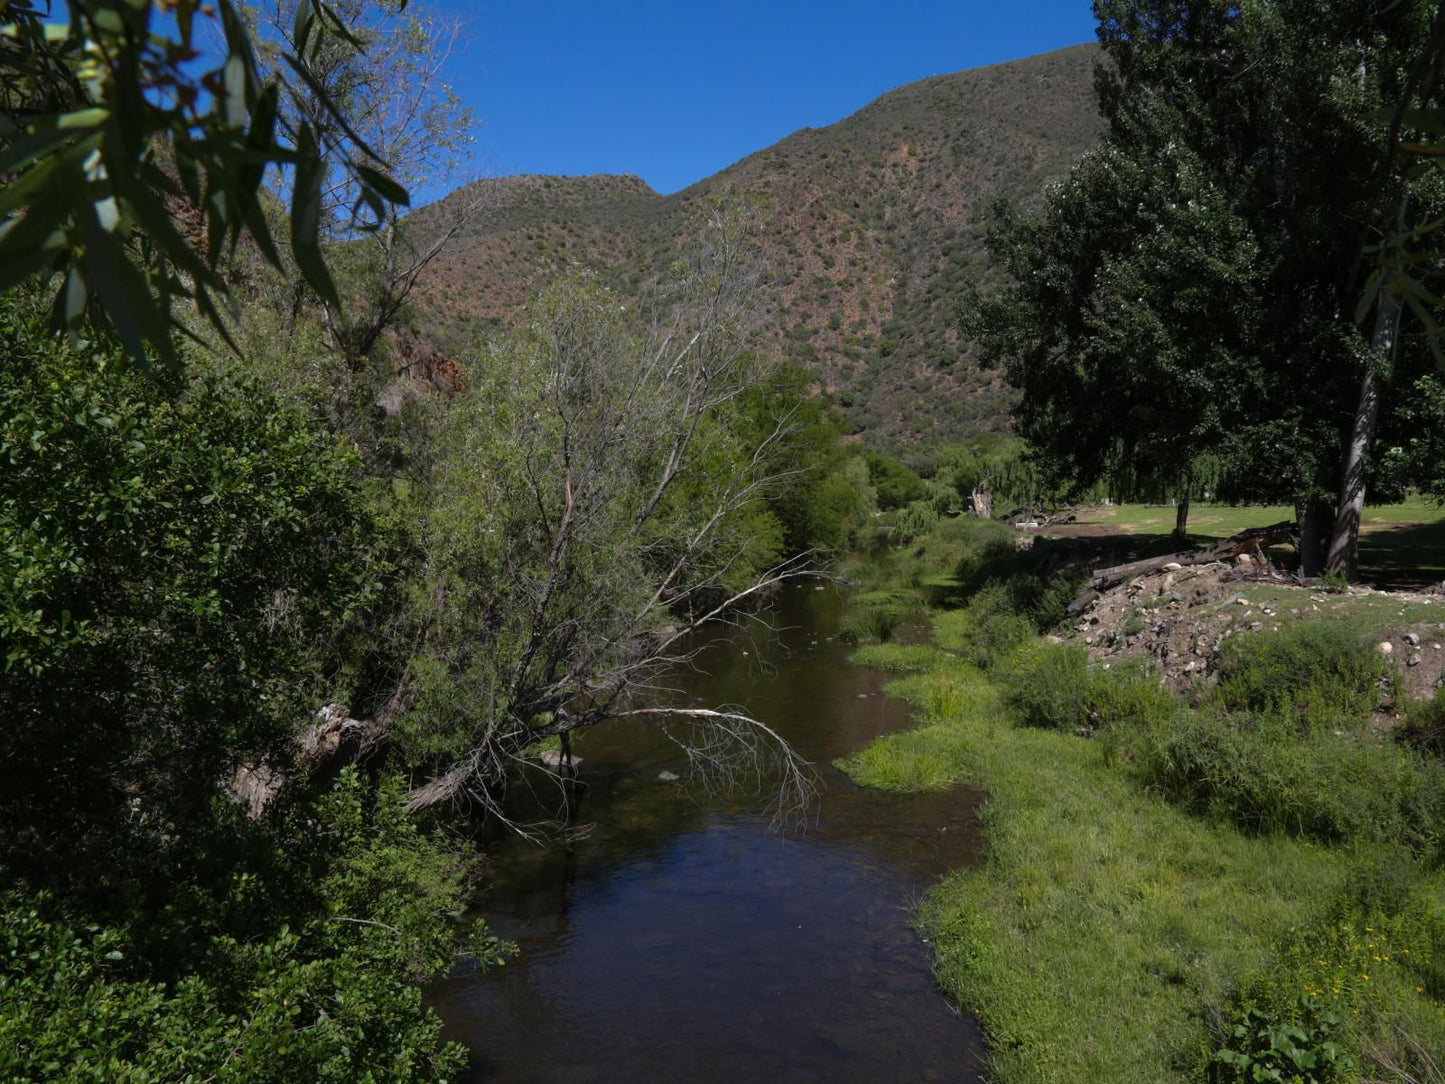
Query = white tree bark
x=1343 y=556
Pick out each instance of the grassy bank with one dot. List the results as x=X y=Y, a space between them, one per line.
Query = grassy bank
x=1211 y=892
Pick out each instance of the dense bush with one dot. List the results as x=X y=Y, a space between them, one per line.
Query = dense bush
x=371 y=902
x=186 y=566
x=1261 y=773
x=992 y=554
x=1319 y=673
x=917 y=518
x=1047 y=685
x=895 y=484
x=179 y=567
x=985 y=631
x=1053 y=685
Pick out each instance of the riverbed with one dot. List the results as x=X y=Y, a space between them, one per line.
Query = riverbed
x=679 y=935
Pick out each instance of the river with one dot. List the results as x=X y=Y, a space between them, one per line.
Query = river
x=679 y=937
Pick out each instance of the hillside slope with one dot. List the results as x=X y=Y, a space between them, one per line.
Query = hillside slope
x=870 y=230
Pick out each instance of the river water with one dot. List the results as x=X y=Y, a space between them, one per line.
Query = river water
x=679 y=937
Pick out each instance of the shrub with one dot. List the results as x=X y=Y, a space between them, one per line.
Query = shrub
x=1052 y=685
x=1302 y=1046
x=298 y=970
x=1261 y=774
x=1317 y=673
x=1047 y=685
x=917 y=518
x=985 y=631
x=1130 y=699
x=992 y=555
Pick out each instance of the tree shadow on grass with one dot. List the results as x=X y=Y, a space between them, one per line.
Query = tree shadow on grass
x=1393 y=556
x=1403 y=555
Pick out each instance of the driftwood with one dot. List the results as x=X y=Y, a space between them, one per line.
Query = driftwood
x=1254 y=539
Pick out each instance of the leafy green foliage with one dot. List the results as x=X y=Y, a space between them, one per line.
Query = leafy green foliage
x=895 y=484
x=1260 y=773
x=824 y=493
x=1047 y=685
x=1424 y=725
x=1053 y=686
x=112 y=122
x=988 y=629
x=173 y=558
x=251 y=996
x=1357 y=985
x=1167 y=311
x=1157 y=903
x=185 y=568
x=1301 y=1050
x=594 y=503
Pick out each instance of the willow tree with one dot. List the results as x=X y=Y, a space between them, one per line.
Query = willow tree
x=603 y=495
x=121 y=121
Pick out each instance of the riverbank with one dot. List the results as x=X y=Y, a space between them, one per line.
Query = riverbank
x=1144 y=913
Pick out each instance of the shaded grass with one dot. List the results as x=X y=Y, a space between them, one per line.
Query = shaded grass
x=1103 y=920
x=1206 y=521
x=1400 y=544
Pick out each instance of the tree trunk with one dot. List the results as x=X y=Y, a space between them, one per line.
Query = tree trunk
x=983 y=500
x=1314 y=532
x=1181 y=520
x=1344 y=554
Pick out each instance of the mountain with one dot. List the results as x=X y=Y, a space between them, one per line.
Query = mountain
x=870 y=232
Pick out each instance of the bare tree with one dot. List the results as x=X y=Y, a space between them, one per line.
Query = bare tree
x=604 y=497
x=379 y=85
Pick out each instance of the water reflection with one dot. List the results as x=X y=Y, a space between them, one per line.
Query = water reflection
x=681 y=938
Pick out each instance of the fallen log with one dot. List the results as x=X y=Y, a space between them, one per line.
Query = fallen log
x=1254 y=539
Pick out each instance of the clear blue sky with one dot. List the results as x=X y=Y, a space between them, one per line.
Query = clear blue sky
x=675 y=91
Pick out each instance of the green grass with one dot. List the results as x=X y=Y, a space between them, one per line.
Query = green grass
x=1104 y=920
x=1398 y=542
x=898 y=658
x=1205 y=520
x=1189 y=876
x=1367 y=614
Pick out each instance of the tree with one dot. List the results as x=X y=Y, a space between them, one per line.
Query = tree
x=1391 y=287
x=378 y=88
x=1127 y=321
x=185 y=565
x=604 y=495
x=1200 y=299
x=117 y=120
x=174 y=556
